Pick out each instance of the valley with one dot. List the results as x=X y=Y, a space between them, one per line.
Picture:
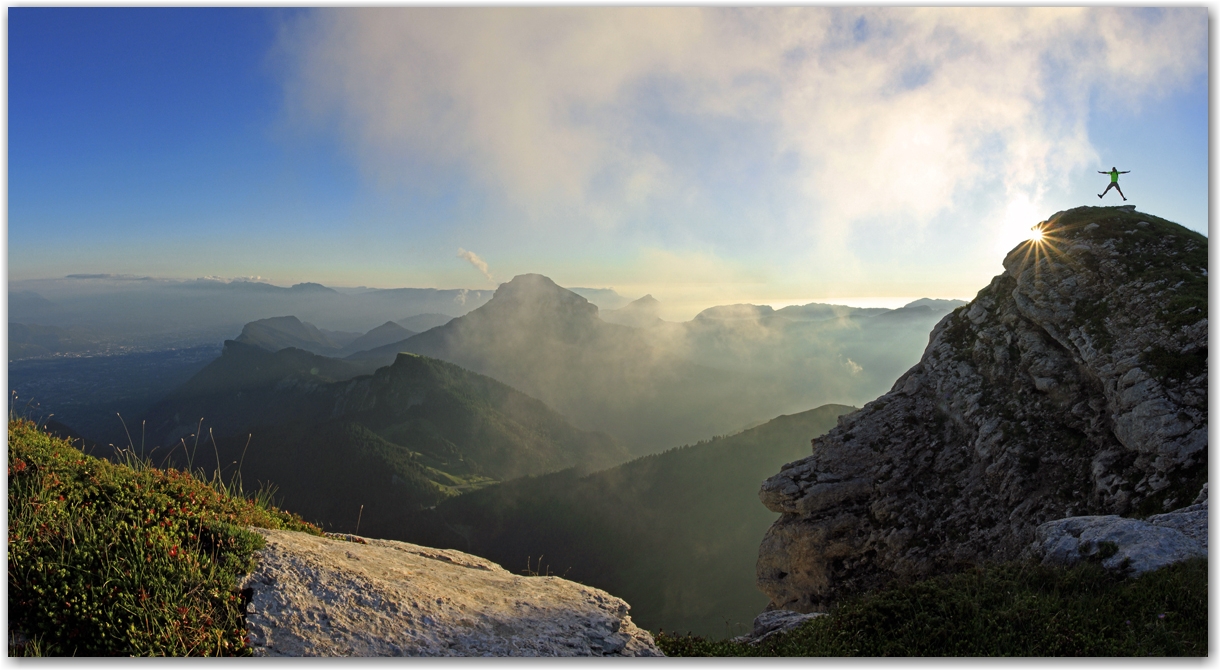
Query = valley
x=527 y=429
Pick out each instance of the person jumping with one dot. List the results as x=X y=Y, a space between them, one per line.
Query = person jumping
x=1113 y=182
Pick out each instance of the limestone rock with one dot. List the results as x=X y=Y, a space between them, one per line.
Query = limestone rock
x=316 y=596
x=774 y=622
x=1074 y=384
x=1119 y=543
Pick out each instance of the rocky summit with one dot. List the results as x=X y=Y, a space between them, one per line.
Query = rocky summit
x=1074 y=384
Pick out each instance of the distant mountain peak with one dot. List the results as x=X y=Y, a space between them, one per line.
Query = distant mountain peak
x=640 y=313
x=311 y=287
x=739 y=311
x=279 y=332
x=539 y=292
x=936 y=304
x=387 y=333
x=282 y=321
x=530 y=282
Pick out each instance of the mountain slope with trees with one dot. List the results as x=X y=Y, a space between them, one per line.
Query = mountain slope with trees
x=406 y=437
x=675 y=534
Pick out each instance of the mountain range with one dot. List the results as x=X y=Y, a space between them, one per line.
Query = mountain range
x=668 y=383
x=332 y=438
x=152 y=313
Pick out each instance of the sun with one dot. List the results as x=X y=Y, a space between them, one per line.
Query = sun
x=1035 y=234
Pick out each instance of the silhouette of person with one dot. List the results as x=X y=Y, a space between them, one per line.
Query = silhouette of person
x=1113 y=181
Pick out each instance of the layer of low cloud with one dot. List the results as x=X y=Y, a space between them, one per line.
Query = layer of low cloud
x=851 y=114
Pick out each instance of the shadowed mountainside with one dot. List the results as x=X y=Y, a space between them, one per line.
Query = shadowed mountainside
x=380 y=336
x=405 y=437
x=282 y=332
x=676 y=532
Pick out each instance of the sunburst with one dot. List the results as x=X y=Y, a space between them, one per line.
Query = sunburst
x=1041 y=250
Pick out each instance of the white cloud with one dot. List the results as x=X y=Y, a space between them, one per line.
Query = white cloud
x=257 y=279
x=890 y=112
x=473 y=258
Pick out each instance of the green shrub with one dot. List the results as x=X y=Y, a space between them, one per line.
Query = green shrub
x=1014 y=609
x=108 y=559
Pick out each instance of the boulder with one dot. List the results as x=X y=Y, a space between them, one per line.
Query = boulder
x=320 y=596
x=1075 y=384
x=774 y=622
x=1130 y=545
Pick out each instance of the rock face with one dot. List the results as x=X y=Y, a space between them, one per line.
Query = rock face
x=315 y=596
x=1074 y=384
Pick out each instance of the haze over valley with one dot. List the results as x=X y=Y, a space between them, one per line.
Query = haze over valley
x=383 y=431
x=655 y=386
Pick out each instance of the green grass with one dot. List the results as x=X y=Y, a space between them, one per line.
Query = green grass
x=125 y=559
x=1014 y=609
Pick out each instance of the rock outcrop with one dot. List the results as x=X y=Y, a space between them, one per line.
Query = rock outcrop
x=1074 y=384
x=316 y=596
x=774 y=622
x=1118 y=543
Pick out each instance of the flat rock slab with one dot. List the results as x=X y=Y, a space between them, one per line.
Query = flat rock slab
x=316 y=596
x=1134 y=546
x=775 y=622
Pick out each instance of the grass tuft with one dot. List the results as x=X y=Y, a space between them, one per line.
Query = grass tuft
x=123 y=558
x=1014 y=609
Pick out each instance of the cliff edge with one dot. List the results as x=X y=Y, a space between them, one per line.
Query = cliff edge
x=1074 y=384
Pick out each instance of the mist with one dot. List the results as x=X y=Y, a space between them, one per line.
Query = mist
x=154 y=313
x=617 y=367
x=657 y=384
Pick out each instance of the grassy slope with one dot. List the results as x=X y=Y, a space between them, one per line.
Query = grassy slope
x=107 y=559
x=1009 y=610
x=675 y=534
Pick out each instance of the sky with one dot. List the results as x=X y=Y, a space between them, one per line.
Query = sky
x=702 y=155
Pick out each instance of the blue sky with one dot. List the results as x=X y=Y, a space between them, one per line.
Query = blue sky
x=706 y=156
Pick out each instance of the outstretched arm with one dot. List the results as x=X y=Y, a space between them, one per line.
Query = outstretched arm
x=1102 y=172
x=1124 y=172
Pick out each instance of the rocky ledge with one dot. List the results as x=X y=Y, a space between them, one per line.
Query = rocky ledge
x=1074 y=384
x=318 y=596
x=1132 y=546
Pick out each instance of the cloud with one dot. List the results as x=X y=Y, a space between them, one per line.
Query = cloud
x=116 y=277
x=473 y=258
x=841 y=114
x=254 y=279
